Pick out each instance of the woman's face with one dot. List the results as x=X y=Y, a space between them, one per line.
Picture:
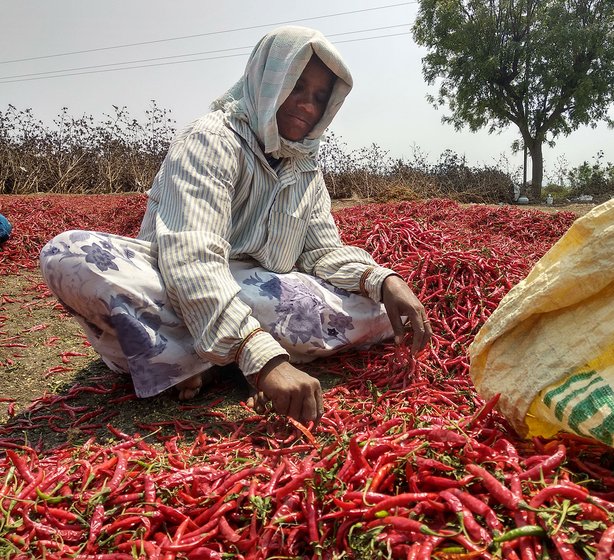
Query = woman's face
x=306 y=104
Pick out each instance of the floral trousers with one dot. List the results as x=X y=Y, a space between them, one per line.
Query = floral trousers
x=113 y=288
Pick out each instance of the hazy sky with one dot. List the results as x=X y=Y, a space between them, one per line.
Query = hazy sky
x=387 y=106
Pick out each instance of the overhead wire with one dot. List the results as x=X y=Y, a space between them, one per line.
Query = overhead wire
x=99 y=68
x=67 y=71
x=208 y=33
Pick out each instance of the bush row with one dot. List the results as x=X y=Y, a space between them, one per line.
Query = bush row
x=122 y=154
x=79 y=155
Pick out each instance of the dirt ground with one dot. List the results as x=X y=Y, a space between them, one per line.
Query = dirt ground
x=43 y=354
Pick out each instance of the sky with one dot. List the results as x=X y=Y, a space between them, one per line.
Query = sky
x=183 y=54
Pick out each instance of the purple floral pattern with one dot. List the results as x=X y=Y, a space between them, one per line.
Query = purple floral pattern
x=95 y=254
x=128 y=327
x=111 y=285
x=102 y=252
x=301 y=316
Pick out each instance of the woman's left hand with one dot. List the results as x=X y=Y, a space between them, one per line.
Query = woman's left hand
x=399 y=302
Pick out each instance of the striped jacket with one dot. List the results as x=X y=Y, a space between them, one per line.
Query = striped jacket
x=216 y=197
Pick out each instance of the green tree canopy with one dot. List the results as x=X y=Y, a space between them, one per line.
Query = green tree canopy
x=546 y=66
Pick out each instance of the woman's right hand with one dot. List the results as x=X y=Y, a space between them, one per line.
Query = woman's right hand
x=291 y=391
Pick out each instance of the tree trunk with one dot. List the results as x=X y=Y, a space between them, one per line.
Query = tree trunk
x=537 y=169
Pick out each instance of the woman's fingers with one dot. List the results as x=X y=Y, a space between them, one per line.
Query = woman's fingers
x=421 y=333
x=312 y=407
x=296 y=407
x=399 y=325
x=420 y=342
x=292 y=392
x=400 y=301
x=257 y=401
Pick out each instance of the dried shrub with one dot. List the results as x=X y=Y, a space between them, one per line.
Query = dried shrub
x=369 y=173
x=79 y=155
x=121 y=155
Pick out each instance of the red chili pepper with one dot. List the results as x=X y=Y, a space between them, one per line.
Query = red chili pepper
x=592 y=512
x=208 y=519
x=67 y=355
x=404 y=524
x=295 y=483
x=498 y=491
x=441 y=482
x=439 y=435
x=358 y=457
x=546 y=466
x=563 y=547
x=29 y=491
x=310 y=517
x=204 y=553
x=474 y=529
x=287 y=510
x=95 y=527
x=574 y=492
x=483 y=412
x=425 y=552
x=429 y=463
x=56 y=513
x=400 y=500
x=380 y=475
x=368 y=497
x=120 y=471
x=104 y=556
x=227 y=531
x=605 y=546
x=40 y=530
x=20 y=465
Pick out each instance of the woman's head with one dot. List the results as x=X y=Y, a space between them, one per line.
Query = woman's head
x=306 y=103
x=288 y=66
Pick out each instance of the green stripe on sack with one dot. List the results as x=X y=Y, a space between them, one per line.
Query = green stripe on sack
x=582 y=404
x=564 y=387
x=596 y=402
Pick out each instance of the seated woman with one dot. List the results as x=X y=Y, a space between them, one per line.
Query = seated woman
x=238 y=259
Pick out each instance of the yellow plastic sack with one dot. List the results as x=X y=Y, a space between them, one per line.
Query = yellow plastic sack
x=548 y=348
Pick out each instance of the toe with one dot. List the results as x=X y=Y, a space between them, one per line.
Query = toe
x=189 y=388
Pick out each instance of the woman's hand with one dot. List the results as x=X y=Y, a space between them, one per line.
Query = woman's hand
x=399 y=302
x=291 y=391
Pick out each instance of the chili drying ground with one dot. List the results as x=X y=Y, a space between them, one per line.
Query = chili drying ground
x=407 y=462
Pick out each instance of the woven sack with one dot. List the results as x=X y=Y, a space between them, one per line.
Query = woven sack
x=548 y=348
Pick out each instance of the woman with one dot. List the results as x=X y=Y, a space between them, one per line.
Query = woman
x=238 y=259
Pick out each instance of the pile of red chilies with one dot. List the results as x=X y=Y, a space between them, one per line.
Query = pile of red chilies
x=36 y=219
x=407 y=461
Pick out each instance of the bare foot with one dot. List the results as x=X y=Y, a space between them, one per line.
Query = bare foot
x=191 y=387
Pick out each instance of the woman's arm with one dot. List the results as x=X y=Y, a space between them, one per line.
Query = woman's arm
x=325 y=256
x=355 y=270
x=194 y=192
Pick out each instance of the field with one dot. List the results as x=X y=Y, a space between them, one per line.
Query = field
x=407 y=462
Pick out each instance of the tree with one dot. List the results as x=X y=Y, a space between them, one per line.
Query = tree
x=546 y=66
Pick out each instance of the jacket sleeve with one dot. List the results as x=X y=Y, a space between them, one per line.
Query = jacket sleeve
x=344 y=266
x=195 y=187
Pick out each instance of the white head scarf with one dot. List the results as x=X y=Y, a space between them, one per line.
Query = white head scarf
x=273 y=68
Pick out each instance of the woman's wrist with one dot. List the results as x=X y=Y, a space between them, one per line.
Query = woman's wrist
x=267 y=368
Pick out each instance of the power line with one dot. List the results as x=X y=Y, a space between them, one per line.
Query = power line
x=8 y=79
x=100 y=71
x=209 y=33
x=126 y=62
